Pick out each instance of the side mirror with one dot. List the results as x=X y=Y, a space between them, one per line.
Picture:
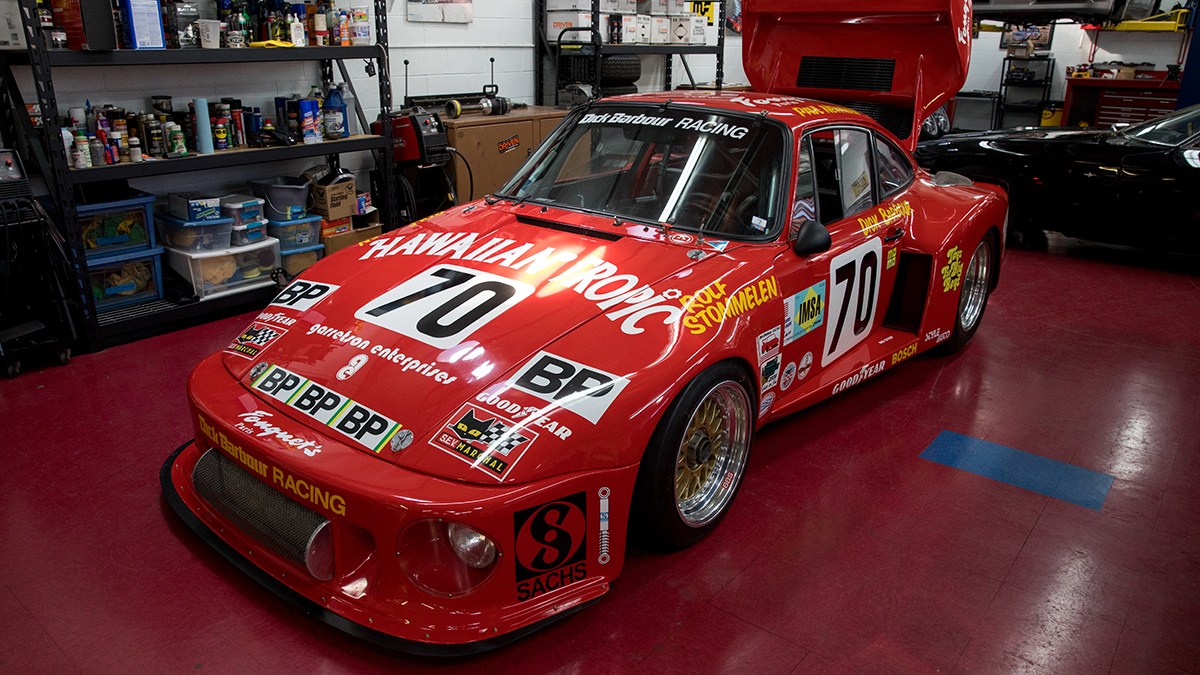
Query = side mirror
x=1117 y=126
x=812 y=238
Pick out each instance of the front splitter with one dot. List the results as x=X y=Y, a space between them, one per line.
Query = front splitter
x=316 y=611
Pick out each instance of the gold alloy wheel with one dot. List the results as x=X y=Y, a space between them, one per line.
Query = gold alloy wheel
x=712 y=454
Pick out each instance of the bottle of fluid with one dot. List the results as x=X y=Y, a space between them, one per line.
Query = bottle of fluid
x=348 y=100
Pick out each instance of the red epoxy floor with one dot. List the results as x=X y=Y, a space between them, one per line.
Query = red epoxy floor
x=844 y=553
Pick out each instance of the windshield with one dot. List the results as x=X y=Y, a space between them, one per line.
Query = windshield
x=1172 y=129
x=696 y=169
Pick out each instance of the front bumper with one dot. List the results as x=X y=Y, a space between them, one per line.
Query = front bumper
x=368 y=504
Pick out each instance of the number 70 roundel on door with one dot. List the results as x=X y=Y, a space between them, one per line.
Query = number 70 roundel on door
x=853 y=298
x=444 y=305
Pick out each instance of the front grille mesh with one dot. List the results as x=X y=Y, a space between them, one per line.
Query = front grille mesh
x=276 y=522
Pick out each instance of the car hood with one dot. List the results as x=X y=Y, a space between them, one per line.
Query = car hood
x=381 y=338
x=1032 y=134
x=895 y=61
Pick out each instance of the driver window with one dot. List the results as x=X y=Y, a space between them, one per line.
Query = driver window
x=804 y=207
x=842 y=160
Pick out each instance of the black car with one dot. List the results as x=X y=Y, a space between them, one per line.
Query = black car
x=1137 y=185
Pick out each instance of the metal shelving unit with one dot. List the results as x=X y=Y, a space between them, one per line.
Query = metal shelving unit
x=544 y=50
x=100 y=329
x=1043 y=69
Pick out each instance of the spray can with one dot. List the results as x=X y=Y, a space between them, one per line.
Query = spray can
x=310 y=120
x=344 y=29
x=135 y=149
x=96 y=149
x=293 y=118
x=220 y=134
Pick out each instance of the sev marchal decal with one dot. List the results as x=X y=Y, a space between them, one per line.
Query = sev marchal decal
x=486 y=440
x=257 y=337
x=340 y=413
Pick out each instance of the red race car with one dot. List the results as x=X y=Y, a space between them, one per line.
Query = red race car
x=439 y=440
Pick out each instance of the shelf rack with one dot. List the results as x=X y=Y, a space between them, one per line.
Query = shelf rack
x=100 y=329
x=544 y=49
x=1045 y=66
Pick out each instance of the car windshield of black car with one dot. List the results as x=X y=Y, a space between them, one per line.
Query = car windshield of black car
x=1171 y=129
x=696 y=169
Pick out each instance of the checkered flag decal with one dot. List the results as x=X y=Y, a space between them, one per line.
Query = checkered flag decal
x=491 y=438
x=258 y=336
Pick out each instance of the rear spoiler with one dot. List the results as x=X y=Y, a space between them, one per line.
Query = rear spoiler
x=897 y=61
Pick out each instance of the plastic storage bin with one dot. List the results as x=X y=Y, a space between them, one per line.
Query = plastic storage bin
x=242 y=208
x=215 y=273
x=126 y=279
x=295 y=234
x=195 y=236
x=117 y=227
x=248 y=233
x=298 y=260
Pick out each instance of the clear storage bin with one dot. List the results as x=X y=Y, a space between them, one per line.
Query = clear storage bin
x=126 y=279
x=216 y=273
x=296 y=261
x=194 y=236
x=249 y=233
x=242 y=208
x=116 y=227
x=295 y=234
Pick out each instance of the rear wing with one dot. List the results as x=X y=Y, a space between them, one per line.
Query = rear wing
x=897 y=61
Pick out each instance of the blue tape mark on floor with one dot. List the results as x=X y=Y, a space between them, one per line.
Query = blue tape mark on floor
x=1025 y=470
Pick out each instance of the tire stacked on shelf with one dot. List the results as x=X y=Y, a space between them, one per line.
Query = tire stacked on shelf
x=618 y=72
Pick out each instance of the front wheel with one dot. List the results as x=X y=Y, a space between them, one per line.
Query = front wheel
x=697 y=456
x=973 y=296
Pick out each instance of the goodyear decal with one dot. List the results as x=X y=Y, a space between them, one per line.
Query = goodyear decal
x=865 y=373
x=805 y=312
x=340 y=413
x=884 y=216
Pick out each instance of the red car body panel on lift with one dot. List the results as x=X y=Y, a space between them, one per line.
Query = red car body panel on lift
x=350 y=397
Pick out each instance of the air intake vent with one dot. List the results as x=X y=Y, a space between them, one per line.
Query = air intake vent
x=837 y=72
x=274 y=521
x=573 y=229
x=894 y=118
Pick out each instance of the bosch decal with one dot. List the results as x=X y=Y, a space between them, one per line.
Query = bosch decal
x=485 y=439
x=254 y=340
x=340 y=413
x=508 y=144
x=550 y=542
x=302 y=295
x=904 y=354
x=805 y=312
x=585 y=391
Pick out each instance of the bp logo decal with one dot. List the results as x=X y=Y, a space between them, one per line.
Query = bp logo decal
x=805 y=312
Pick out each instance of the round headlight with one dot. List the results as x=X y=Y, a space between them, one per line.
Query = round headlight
x=471 y=547
x=446 y=558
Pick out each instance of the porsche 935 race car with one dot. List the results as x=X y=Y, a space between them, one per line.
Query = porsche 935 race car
x=439 y=440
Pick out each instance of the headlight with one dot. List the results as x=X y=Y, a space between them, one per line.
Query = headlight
x=446 y=558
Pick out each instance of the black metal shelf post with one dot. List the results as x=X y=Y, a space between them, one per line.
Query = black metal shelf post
x=544 y=49
x=61 y=179
x=1042 y=66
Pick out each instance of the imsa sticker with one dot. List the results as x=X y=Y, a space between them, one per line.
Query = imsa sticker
x=254 y=340
x=485 y=439
x=340 y=413
x=805 y=312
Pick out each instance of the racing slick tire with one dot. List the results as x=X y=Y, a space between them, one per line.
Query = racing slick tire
x=694 y=464
x=620 y=69
x=972 y=294
x=617 y=90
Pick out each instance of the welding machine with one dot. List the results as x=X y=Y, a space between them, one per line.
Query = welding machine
x=418 y=138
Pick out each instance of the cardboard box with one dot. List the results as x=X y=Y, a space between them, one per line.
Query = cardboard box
x=330 y=228
x=340 y=241
x=684 y=30
x=629 y=31
x=652 y=7
x=660 y=30
x=1020 y=50
x=699 y=30
x=643 y=29
x=334 y=202
x=12 y=34
x=194 y=206
x=679 y=7
x=557 y=21
x=626 y=7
